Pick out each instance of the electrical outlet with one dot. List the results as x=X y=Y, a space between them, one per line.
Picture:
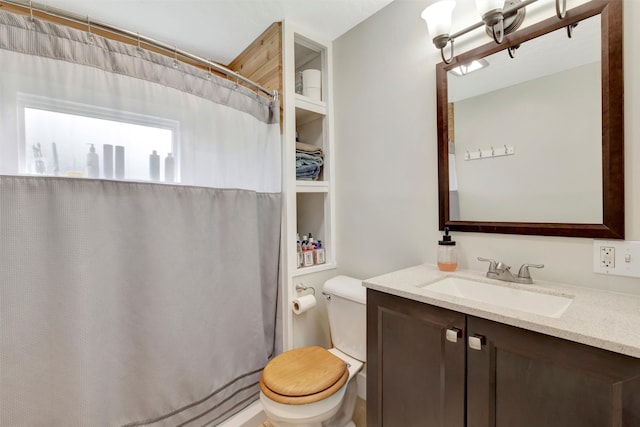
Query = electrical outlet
x=616 y=257
x=607 y=256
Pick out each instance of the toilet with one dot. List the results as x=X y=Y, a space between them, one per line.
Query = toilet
x=315 y=387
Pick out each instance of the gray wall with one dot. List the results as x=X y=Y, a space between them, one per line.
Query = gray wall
x=386 y=165
x=553 y=123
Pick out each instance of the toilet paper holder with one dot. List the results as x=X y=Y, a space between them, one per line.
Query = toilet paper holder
x=301 y=288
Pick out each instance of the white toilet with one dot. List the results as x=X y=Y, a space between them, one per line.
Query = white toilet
x=315 y=387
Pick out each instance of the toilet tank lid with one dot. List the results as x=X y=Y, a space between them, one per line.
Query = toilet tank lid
x=346 y=287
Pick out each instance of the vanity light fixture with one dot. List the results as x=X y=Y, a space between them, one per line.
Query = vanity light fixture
x=475 y=65
x=499 y=17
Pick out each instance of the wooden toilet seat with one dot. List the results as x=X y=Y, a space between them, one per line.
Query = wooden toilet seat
x=303 y=375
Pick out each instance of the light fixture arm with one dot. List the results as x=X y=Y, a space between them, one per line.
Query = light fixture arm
x=492 y=19
x=440 y=42
x=447 y=61
x=561 y=12
x=498 y=39
x=494 y=22
x=505 y=11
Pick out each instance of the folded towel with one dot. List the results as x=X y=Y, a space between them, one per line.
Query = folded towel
x=308 y=172
x=309 y=149
x=307 y=159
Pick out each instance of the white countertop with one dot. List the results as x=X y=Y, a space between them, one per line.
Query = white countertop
x=597 y=318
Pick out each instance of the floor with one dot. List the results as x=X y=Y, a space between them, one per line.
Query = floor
x=359 y=415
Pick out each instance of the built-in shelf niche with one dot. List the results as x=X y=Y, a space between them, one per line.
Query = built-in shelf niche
x=311 y=217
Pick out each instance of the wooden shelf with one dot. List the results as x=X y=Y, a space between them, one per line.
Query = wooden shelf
x=312 y=186
x=309 y=109
x=314 y=268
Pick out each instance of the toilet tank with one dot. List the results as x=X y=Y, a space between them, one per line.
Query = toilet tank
x=347 y=312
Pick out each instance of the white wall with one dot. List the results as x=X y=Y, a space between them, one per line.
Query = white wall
x=386 y=164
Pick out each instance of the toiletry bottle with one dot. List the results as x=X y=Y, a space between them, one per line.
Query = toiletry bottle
x=93 y=163
x=169 y=175
x=318 y=253
x=307 y=252
x=56 y=164
x=447 y=259
x=154 y=166
x=299 y=251
x=119 y=165
x=107 y=160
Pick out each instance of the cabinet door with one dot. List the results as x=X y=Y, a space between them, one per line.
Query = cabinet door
x=525 y=379
x=415 y=376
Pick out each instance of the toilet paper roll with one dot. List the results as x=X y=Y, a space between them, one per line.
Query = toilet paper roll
x=312 y=83
x=302 y=304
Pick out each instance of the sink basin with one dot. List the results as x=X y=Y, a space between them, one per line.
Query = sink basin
x=503 y=296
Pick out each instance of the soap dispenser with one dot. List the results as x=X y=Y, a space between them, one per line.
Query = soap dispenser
x=447 y=259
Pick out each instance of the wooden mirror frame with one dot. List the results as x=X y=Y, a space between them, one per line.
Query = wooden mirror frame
x=612 y=127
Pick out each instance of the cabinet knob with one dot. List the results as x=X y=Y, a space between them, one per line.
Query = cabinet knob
x=453 y=334
x=476 y=342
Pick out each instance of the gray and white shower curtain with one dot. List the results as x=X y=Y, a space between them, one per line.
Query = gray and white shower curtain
x=131 y=303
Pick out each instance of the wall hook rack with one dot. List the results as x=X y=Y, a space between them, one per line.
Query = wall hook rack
x=505 y=150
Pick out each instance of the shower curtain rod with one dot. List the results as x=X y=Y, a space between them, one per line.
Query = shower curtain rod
x=59 y=13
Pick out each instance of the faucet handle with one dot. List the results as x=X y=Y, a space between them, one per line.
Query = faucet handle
x=523 y=273
x=492 y=264
x=502 y=267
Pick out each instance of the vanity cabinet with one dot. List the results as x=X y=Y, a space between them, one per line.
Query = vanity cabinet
x=415 y=376
x=511 y=378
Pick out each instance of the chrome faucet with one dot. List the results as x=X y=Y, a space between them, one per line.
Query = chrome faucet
x=501 y=271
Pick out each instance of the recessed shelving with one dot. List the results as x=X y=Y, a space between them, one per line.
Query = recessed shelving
x=308 y=120
x=314 y=268
x=310 y=104
x=312 y=186
x=308 y=109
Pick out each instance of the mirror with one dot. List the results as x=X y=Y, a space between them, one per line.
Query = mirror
x=534 y=144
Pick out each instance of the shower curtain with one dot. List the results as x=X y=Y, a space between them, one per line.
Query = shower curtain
x=132 y=303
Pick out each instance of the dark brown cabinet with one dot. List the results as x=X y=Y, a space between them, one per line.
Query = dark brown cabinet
x=415 y=376
x=493 y=376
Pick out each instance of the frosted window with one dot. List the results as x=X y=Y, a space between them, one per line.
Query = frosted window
x=57 y=143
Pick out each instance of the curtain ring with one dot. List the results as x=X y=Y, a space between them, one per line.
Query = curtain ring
x=89 y=30
x=570 y=29
x=32 y=21
x=175 y=57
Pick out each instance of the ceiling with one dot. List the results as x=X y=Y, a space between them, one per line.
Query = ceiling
x=220 y=29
